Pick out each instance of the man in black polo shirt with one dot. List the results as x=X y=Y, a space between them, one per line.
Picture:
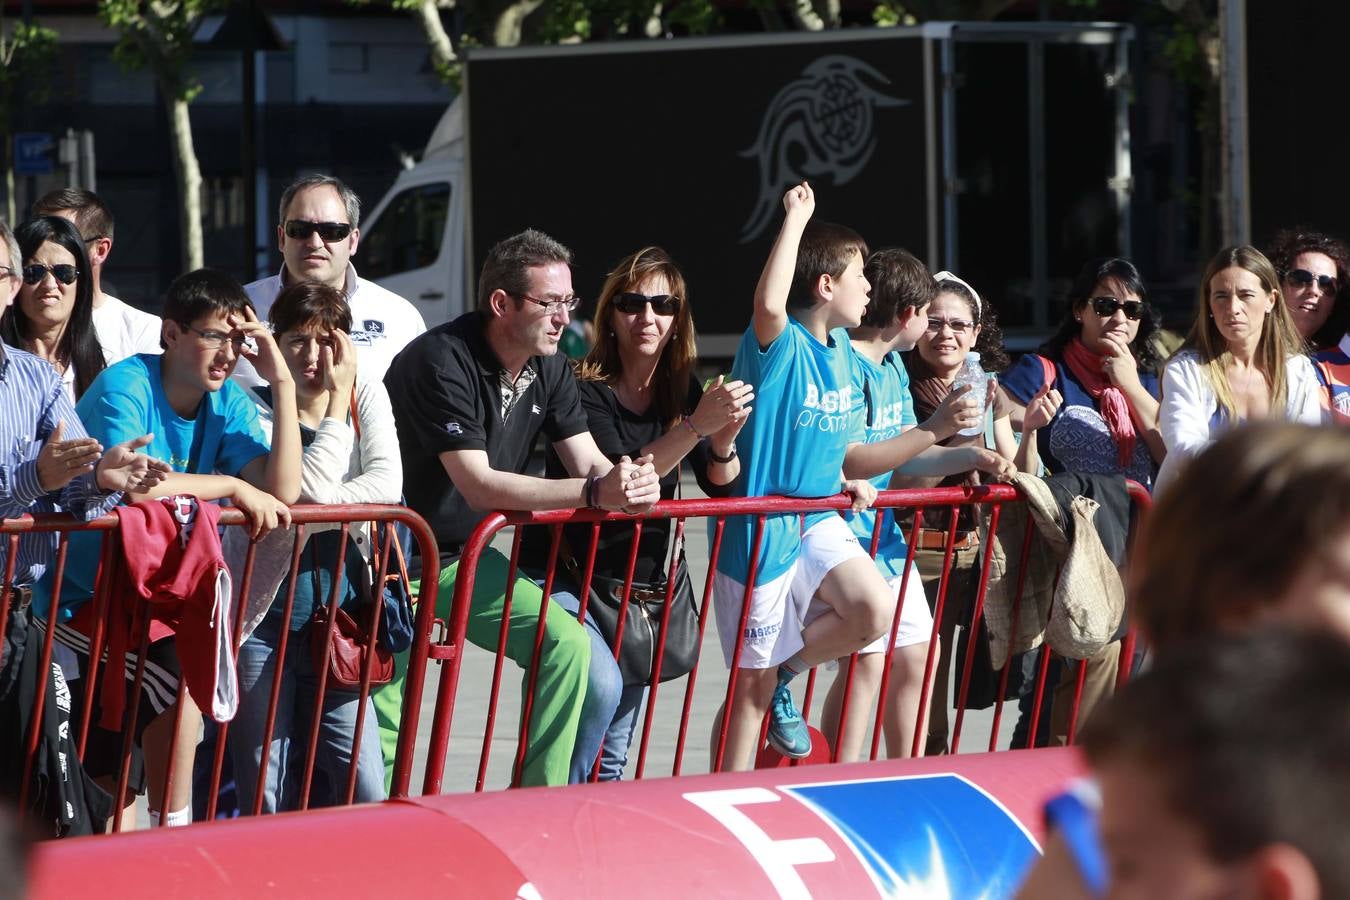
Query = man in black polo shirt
x=470 y=397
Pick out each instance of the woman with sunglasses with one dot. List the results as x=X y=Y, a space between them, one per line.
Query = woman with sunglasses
x=1243 y=360
x=1093 y=389
x=53 y=315
x=641 y=397
x=1312 y=268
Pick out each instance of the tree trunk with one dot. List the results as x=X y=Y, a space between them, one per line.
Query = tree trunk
x=189 y=177
x=510 y=22
x=442 y=51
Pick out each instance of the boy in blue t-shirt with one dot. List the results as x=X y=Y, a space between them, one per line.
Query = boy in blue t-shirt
x=812 y=283
x=206 y=428
x=893 y=440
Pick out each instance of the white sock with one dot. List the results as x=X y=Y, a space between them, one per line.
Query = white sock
x=173 y=819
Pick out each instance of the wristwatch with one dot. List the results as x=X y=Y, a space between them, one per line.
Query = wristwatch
x=722 y=459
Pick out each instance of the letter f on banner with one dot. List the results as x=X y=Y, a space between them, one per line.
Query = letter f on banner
x=777 y=858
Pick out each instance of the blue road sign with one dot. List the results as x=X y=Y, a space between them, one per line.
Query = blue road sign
x=33 y=153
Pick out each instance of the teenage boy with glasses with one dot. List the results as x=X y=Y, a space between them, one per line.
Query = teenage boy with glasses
x=206 y=429
x=122 y=329
x=470 y=399
x=317 y=233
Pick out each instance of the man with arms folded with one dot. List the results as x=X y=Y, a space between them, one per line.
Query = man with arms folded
x=470 y=398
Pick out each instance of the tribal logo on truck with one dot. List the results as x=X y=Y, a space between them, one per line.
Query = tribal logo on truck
x=819 y=124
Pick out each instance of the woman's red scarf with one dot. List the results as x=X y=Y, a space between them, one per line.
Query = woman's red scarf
x=1086 y=366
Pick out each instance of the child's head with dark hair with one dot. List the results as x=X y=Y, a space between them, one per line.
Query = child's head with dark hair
x=1224 y=771
x=827 y=256
x=312 y=304
x=202 y=293
x=899 y=281
x=200 y=335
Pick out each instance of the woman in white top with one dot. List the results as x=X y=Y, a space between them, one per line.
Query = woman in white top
x=342 y=464
x=1244 y=359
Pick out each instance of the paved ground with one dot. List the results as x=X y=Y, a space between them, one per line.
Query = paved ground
x=710 y=687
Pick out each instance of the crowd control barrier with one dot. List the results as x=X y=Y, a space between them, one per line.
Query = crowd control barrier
x=669 y=735
x=953 y=826
x=304 y=519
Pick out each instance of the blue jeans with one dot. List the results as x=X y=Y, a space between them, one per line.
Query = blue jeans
x=290 y=735
x=607 y=706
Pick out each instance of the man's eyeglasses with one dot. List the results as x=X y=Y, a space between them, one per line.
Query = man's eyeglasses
x=555 y=305
x=62 y=272
x=215 y=340
x=958 y=326
x=632 y=302
x=1304 y=278
x=1106 y=307
x=329 y=232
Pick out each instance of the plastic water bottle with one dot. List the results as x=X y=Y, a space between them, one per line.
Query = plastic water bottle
x=972 y=374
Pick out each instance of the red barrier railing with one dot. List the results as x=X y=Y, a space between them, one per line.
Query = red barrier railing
x=304 y=519
x=667 y=734
x=452 y=650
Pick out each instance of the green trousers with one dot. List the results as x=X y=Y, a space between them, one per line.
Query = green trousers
x=563 y=665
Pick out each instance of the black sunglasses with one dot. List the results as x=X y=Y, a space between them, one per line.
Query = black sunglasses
x=1303 y=278
x=1106 y=307
x=33 y=273
x=633 y=302
x=329 y=232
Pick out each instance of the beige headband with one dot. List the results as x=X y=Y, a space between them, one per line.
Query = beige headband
x=948 y=276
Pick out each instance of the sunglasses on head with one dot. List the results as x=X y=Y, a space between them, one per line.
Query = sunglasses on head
x=633 y=302
x=1106 y=307
x=1303 y=278
x=62 y=272
x=329 y=232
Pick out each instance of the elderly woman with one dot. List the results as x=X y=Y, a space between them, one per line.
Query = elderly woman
x=959 y=321
x=350 y=456
x=53 y=315
x=1098 y=413
x=641 y=397
x=1243 y=360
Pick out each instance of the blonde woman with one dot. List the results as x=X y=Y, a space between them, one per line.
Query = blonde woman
x=1243 y=360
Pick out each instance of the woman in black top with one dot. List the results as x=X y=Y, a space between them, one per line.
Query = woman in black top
x=641 y=397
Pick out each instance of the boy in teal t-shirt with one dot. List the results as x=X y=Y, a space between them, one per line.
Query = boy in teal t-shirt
x=206 y=429
x=812 y=283
x=893 y=440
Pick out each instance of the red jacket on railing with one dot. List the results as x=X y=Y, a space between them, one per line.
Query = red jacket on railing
x=171 y=557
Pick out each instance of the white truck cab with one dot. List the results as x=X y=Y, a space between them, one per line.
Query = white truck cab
x=413 y=241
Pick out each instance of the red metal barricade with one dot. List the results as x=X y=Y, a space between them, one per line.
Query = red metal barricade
x=453 y=648
x=304 y=519
x=663 y=738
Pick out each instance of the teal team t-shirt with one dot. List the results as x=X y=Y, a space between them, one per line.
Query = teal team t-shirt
x=794 y=442
x=885 y=410
x=126 y=401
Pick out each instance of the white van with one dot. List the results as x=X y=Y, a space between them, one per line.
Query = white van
x=413 y=241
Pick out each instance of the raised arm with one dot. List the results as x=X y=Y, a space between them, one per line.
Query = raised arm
x=278 y=471
x=1122 y=370
x=771 y=295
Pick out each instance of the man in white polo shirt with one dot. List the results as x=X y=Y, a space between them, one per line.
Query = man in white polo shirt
x=317 y=233
x=122 y=329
